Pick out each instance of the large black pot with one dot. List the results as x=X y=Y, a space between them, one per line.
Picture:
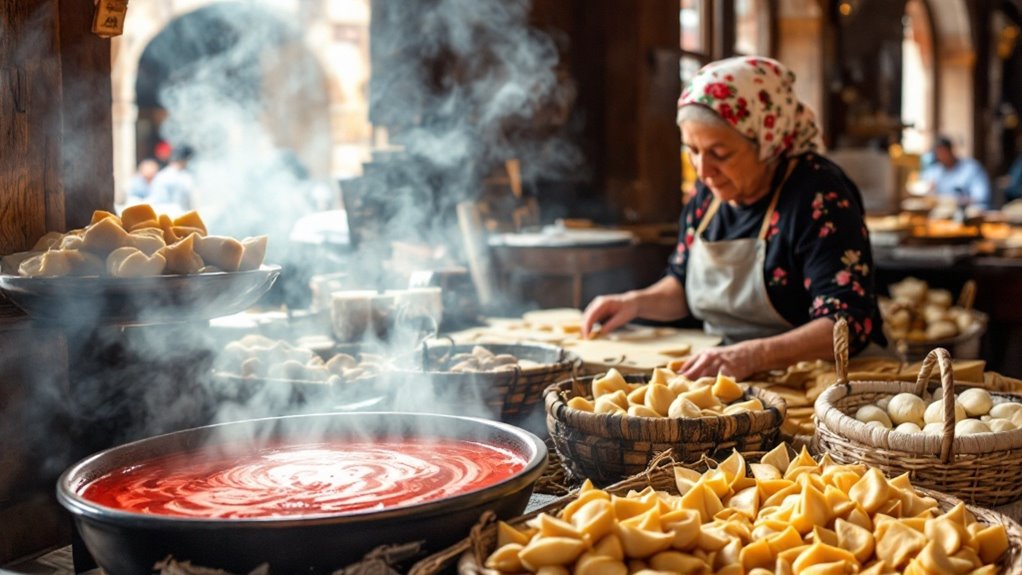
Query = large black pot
x=129 y=543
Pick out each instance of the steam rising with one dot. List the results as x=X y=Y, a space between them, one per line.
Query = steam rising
x=462 y=86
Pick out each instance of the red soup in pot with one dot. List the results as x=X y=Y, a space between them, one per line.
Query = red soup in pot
x=304 y=479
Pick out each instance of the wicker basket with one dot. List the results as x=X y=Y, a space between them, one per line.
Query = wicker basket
x=507 y=395
x=607 y=448
x=965 y=345
x=982 y=469
x=470 y=553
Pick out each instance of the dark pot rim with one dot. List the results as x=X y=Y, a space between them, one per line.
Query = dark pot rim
x=84 y=509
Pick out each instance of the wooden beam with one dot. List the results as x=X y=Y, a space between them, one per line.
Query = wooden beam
x=30 y=124
x=88 y=165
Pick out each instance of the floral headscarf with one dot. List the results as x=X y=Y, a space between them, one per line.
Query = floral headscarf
x=756 y=96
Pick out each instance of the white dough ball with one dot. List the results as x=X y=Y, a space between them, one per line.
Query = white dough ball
x=868 y=413
x=971 y=426
x=906 y=408
x=935 y=412
x=1005 y=410
x=907 y=427
x=976 y=401
x=998 y=425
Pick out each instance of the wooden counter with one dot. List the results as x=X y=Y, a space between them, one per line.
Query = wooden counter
x=632 y=349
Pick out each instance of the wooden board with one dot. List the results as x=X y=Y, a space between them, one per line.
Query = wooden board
x=632 y=349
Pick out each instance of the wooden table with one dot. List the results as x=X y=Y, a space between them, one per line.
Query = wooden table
x=632 y=349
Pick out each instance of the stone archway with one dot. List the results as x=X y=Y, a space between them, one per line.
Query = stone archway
x=271 y=80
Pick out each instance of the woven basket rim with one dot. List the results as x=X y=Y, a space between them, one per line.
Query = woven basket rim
x=774 y=403
x=838 y=422
x=469 y=550
x=831 y=419
x=565 y=360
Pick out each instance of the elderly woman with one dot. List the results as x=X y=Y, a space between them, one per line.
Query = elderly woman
x=773 y=247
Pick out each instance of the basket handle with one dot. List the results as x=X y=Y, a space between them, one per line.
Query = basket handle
x=967 y=296
x=487 y=518
x=941 y=357
x=841 y=350
x=577 y=386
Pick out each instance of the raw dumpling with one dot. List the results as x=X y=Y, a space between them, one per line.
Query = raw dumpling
x=146 y=242
x=129 y=262
x=254 y=253
x=135 y=216
x=47 y=264
x=103 y=237
x=10 y=263
x=181 y=257
x=220 y=251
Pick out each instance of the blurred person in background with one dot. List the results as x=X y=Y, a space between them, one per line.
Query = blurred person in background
x=140 y=186
x=773 y=247
x=957 y=177
x=173 y=187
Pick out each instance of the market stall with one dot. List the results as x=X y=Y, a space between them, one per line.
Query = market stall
x=509 y=342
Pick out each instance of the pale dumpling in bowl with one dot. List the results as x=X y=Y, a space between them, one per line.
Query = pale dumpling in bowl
x=181 y=257
x=222 y=252
x=47 y=264
x=129 y=262
x=103 y=237
x=255 y=252
x=147 y=240
x=11 y=263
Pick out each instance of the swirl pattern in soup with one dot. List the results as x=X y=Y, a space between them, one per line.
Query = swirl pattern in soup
x=305 y=479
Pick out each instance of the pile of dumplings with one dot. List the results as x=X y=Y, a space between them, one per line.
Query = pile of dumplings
x=482 y=359
x=258 y=356
x=917 y=313
x=976 y=411
x=138 y=243
x=666 y=394
x=782 y=515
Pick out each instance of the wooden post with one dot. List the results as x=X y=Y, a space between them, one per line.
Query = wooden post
x=87 y=170
x=31 y=193
x=55 y=137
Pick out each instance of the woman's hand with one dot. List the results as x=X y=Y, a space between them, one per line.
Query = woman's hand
x=611 y=311
x=739 y=361
x=662 y=301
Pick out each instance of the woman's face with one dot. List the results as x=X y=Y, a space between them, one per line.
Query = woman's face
x=726 y=162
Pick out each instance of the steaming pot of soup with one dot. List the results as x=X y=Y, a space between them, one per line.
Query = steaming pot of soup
x=309 y=494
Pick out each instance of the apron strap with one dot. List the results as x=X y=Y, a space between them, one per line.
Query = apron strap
x=710 y=212
x=773 y=202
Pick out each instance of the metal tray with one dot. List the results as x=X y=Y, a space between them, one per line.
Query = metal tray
x=72 y=300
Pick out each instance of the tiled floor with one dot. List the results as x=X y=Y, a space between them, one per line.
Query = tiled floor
x=57 y=562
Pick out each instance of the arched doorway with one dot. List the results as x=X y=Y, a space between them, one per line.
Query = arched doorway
x=237 y=83
x=221 y=75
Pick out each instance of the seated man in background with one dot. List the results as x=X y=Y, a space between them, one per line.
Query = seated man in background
x=957 y=177
x=140 y=186
x=173 y=187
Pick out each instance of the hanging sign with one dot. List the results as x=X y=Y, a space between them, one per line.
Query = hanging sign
x=109 y=18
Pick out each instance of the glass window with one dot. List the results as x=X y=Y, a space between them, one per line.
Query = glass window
x=689 y=66
x=749 y=31
x=691 y=16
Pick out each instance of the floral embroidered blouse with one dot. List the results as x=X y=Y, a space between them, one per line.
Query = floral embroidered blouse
x=818 y=257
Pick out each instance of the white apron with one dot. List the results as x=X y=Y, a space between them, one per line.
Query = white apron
x=725 y=285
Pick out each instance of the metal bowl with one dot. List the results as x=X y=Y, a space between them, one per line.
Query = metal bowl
x=167 y=298
x=122 y=542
